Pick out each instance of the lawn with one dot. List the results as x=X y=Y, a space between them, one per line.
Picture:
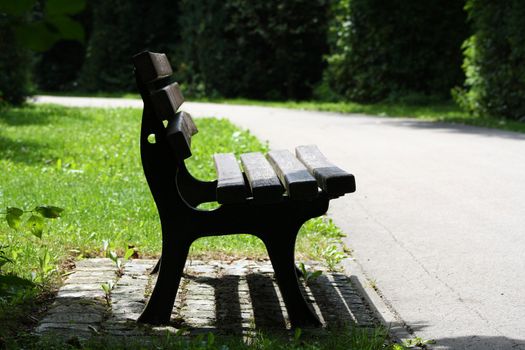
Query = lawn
x=87 y=162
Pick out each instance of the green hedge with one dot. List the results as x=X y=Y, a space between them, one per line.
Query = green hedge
x=15 y=66
x=257 y=49
x=122 y=28
x=384 y=49
x=494 y=59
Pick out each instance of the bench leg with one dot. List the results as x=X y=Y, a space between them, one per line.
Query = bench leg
x=156 y=268
x=281 y=254
x=160 y=305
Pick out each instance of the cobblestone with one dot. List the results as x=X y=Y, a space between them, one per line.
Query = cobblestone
x=233 y=297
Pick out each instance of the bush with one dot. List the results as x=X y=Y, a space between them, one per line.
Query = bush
x=494 y=57
x=15 y=66
x=122 y=28
x=381 y=49
x=256 y=49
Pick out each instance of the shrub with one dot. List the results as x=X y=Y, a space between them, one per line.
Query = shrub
x=122 y=28
x=381 y=49
x=15 y=66
x=494 y=57
x=256 y=49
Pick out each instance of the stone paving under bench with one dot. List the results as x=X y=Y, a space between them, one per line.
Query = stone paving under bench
x=215 y=296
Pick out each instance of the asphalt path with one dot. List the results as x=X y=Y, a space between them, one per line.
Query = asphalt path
x=438 y=220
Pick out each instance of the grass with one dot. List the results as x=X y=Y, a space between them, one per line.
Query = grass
x=431 y=110
x=87 y=161
x=336 y=339
x=446 y=111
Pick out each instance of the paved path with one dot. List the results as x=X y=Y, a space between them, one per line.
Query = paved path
x=236 y=297
x=438 y=221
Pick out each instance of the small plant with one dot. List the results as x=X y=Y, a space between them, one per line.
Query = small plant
x=111 y=254
x=417 y=342
x=332 y=256
x=107 y=287
x=11 y=284
x=309 y=276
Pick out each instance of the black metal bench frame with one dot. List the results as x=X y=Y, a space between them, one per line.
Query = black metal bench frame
x=177 y=195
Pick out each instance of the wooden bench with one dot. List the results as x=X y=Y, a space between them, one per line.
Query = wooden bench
x=271 y=197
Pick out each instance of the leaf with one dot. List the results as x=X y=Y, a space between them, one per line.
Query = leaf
x=67 y=28
x=13 y=217
x=129 y=253
x=315 y=275
x=36 y=36
x=49 y=212
x=36 y=225
x=113 y=256
x=64 y=7
x=16 y=7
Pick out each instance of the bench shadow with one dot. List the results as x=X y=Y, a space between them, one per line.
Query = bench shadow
x=253 y=301
x=267 y=310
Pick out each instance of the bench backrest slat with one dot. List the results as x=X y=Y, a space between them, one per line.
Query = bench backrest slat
x=152 y=66
x=179 y=132
x=166 y=101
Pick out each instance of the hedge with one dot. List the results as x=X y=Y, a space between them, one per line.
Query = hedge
x=15 y=66
x=122 y=28
x=382 y=49
x=257 y=49
x=494 y=59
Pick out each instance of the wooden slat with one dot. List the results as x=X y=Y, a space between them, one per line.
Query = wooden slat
x=293 y=174
x=166 y=101
x=179 y=131
x=263 y=181
x=330 y=178
x=230 y=186
x=152 y=66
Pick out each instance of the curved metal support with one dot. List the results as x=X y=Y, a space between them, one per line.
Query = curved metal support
x=177 y=194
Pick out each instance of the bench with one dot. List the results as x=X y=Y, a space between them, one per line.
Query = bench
x=271 y=197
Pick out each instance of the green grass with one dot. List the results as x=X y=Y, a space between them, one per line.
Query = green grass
x=431 y=110
x=345 y=338
x=87 y=161
x=447 y=112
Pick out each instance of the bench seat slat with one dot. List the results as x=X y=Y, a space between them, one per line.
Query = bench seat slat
x=299 y=183
x=332 y=179
x=230 y=187
x=152 y=66
x=263 y=181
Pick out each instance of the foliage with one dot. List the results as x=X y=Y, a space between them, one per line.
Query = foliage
x=122 y=28
x=15 y=62
x=342 y=338
x=10 y=284
x=389 y=49
x=308 y=275
x=494 y=57
x=260 y=49
x=31 y=25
